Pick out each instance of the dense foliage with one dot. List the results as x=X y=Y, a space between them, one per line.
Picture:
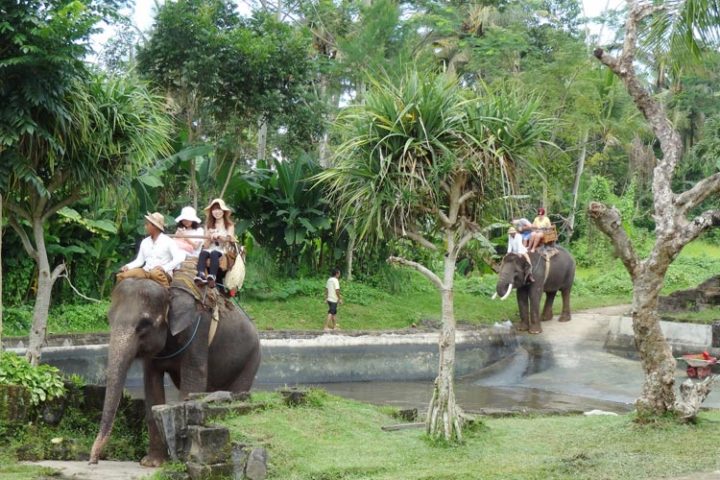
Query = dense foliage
x=224 y=77
x=44 y=382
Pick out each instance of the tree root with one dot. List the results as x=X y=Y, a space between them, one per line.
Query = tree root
x=692 y=395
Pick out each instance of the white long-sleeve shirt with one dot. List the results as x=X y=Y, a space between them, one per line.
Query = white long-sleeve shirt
x=515 y=244
x=163 y=252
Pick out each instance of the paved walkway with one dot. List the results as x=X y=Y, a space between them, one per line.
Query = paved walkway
x=102 y=471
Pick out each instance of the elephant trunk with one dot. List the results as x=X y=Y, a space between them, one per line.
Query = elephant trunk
x=121 y=353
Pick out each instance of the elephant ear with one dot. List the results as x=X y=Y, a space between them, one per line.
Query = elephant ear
x=181 y=314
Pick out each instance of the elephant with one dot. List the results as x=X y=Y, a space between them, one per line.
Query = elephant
x=169 y=329
x=513 y=274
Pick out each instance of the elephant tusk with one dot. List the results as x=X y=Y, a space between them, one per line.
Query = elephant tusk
x=508 y=293
x=494 y=296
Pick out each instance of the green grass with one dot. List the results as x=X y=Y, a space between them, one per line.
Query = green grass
x=298 y=304
x=398 y=312
x=706 y=316
x=342 y=439
x=11 y=470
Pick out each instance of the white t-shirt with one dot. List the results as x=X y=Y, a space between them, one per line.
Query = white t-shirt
x=515 y=244
x=163 y=252
x=331 y=286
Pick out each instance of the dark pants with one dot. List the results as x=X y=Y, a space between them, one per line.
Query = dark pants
x=332 y=308
x=214 y=262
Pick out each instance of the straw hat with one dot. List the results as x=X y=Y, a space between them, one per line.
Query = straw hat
x=220 y=202
x=157 y=219
x=188 y=213
x=512 y=230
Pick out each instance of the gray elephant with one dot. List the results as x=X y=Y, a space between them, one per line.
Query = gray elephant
x=169 y=330
x=560 y=276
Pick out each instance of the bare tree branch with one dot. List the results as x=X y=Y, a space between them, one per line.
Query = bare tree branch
x=417 y=238
x=17 y=210
x=64 y=203
x=444 y=219
x=654 y=113
x=465 y=197
x=420 y=268
x=56 y=273
x=691 y=198
x=23 y=238
x=693 y=229
x=609 y=221
x=464 y=240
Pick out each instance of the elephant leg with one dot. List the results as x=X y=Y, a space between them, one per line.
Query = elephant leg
x=522 y=300
x=548 y=308
x=565 y=315
x=194 y=373
x=245 y=380
x=535 y=298
x=194 y=362
x=154 y=395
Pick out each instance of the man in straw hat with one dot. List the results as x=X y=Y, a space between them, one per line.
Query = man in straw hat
x=515 y=245
x=158 y=254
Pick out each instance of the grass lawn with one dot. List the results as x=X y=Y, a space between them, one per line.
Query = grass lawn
x=389 y=312
x=341 y=439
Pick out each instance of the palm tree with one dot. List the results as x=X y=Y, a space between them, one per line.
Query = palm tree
x=108 y=130
x=421 y=157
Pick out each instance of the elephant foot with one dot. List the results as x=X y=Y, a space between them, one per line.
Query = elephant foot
x=547 y=318
x=522 y=328
x=151 y=460
x=535 y=332
x=564 y=318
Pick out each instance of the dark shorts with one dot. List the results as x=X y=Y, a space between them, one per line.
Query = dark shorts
x=332 y=308
x=526 y=234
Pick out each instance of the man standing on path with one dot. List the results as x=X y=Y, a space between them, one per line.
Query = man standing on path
x=333 y=297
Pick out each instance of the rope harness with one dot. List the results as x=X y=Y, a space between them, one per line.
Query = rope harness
x=547 y=254
x=183 y=282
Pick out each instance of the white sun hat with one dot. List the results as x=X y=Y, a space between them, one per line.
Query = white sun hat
x=188 y=213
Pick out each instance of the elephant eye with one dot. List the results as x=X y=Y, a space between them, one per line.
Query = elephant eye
x=143 y=325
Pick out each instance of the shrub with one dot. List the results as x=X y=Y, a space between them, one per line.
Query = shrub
x=44 y=381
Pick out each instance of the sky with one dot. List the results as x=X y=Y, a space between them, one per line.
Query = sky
x=144 y=10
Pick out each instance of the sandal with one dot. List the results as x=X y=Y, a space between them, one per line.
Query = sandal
x=200 y=279
x=211 y=281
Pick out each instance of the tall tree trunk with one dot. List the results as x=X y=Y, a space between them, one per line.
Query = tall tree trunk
x=229 y=176
x=193 y=176
x=658 y=394
x=262 y=141
x=46 y=280
x=1 y=277
x=349 y=254
x=673 y=230
x=443 y=417
x=576 y=184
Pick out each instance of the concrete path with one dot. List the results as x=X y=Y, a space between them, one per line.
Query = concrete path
x=101 y=471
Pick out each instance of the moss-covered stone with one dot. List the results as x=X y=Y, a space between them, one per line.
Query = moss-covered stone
x=15 y=406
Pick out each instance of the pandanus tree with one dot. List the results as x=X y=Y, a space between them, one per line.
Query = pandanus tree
x=65 y=132
x=680 y=217
x=422 y=157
